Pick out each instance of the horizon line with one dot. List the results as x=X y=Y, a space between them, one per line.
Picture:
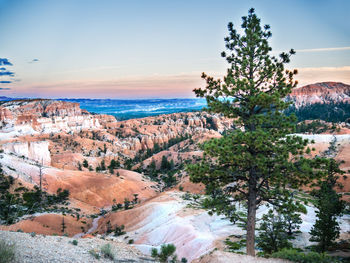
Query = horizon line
x=61 y=98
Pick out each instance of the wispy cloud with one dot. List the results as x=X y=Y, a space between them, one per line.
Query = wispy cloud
x=33 y=61
x=322 y=49
x=88 y=69
x=176 y=85
x=314 y=50
x=321 y=74
x=326 y=69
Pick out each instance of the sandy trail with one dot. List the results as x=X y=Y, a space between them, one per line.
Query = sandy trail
x=91 y=229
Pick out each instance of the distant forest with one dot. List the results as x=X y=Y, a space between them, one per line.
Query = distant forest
x=331 y=112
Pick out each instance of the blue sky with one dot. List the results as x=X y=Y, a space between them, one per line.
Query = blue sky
x=142 y=49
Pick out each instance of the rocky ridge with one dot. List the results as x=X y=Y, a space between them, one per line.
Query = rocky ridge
x=32 y=117
x=323 y=92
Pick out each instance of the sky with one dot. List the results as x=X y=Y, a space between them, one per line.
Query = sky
x=156 y=49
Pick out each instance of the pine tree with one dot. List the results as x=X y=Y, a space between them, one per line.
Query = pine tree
x=109 y=227
x=330 y=207
x=136 y=199
x=104 y=148
x=257 y=161
x=103 y=165
x=290 y=211
x=79 y=166
x=85 y=163
x=164 y=164
x=126 y=203
x=280 y=224
x=273 y=234
x=152 y=169
x=171 y=164
x=63 y=225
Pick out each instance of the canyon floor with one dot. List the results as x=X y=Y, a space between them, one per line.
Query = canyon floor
x=124 y=173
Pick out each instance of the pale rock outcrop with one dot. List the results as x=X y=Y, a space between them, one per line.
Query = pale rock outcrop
x=326 y=138
x=36 y=150
x=167 y=218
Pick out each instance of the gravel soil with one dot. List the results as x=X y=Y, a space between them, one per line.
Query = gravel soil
x=227 y=257
x=41 y=248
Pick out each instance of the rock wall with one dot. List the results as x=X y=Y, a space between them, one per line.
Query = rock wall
x=36 y=150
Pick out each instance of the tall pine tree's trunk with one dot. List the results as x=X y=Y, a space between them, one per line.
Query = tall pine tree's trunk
x=251 y=215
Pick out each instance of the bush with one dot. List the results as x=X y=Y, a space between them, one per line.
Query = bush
x=7 y=252
x=94 y=253
x=106 y=251
x=296 y=256
x=166 y=251
x=186 y=196
x=273 y=234
x=131 y=241
x=33 y=234
x=75 y=242
x=85 y=163
x=119 y=230
x=233 y=246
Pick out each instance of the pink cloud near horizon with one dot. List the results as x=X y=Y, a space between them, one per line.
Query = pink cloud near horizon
x=155 y=86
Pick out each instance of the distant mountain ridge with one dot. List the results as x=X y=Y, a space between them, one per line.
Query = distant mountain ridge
x=323 y=92
x=317 y=93
x=124 y=109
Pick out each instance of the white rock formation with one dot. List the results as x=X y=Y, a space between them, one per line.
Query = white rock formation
x=166 y=219
x=327 y=138
x=37 y=150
